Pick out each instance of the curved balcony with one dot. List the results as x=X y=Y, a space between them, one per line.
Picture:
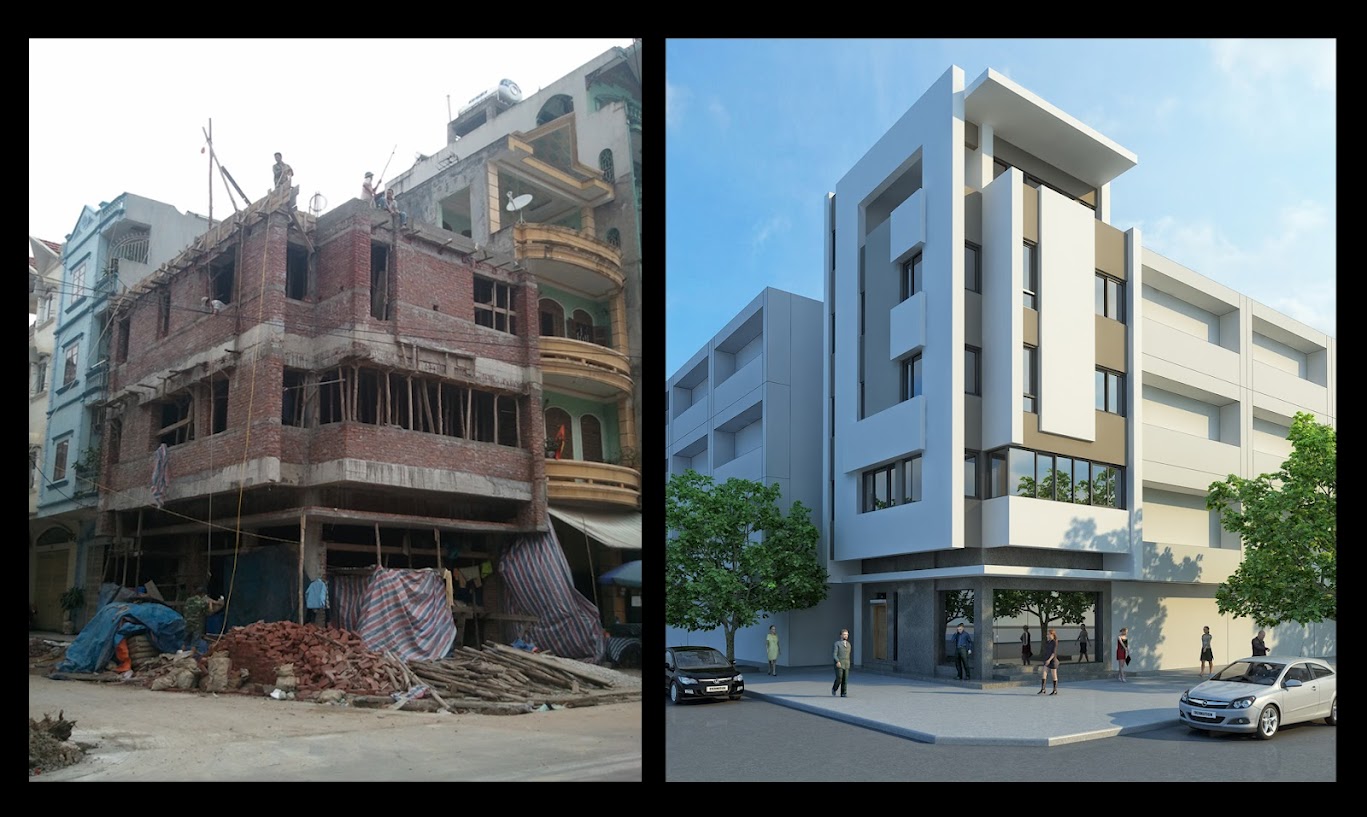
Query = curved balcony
x=593 y=483
x=569 y=259
x=584 y=368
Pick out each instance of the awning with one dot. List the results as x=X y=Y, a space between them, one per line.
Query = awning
x=616 y=529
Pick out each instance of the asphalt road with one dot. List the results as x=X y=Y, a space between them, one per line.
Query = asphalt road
x=752 y=740
x=136 y=734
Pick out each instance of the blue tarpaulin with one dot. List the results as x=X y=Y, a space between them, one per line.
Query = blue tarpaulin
x=92 y=650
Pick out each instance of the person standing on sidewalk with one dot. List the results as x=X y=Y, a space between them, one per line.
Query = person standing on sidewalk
x=1122 y=650
x=1050 y=662
x=1026 y=651
x=1207 y=657
x=842 y=663
x=771 y=647
x=963 y=650
x=1082 y=645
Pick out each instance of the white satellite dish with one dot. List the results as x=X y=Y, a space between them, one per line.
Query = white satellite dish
x=516 y=203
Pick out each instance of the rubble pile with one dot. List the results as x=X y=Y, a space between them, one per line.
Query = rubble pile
x=43 y=654
x=321 y=658
x=498 y=674
x=48 y=746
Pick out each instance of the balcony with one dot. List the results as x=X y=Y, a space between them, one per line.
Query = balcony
x=581 y=367
x=592 y=483
x=569 y=259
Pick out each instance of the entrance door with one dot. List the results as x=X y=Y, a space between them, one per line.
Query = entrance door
x=880 y=632
x=49 y=584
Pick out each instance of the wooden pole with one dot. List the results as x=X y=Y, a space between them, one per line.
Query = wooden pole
x=137 y=570
x=377 y=544
x=301 y=567
x=211 y=171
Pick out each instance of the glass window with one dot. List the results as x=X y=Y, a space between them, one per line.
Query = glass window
x=911 y=479
x=972 y=276
x=878 y=489
x=1082 y=482
x=1028 y=376
x=1110 y=392
x=971 y=474
x=1115 y=299
x=69 y=370
x=1100 y=294
x=1044 y=477
x=1100 y=390
x=911 y=277
x=1103 y=486
x=996 y=485
x=1021 y=471
x=78 y=282
x=59 y=462
x=970 y=370
x=1063 y=479
x=911 y=377
x=1030 y=274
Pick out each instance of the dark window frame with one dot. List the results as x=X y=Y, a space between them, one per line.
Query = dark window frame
x=913 y=276
x=1001 y=487
x=499 y=311
x=976 y=387
x=910 y=387
x=972 y=489
x=1108 y=399
x=973 y=282
x=868 y=488
x=1113 y=308
x=1030 y=396
x=1030 y=276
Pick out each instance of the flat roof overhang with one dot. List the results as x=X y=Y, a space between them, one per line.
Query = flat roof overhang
x=1044 y=131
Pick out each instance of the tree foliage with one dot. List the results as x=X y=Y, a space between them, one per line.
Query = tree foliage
x=1047 y=606
x=733 y=557
x=1288 y=523
x=959 y=605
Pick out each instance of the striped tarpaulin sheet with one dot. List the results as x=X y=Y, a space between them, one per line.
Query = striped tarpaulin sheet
x=348 y=599
x=538 y=581
x=406 y=613
x=160 y=475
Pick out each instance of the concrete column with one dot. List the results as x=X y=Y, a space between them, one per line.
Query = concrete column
x=980 y=169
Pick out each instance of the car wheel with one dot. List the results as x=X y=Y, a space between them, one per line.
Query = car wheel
x=1268 y=722
x=1333 y=718
x=674 y=692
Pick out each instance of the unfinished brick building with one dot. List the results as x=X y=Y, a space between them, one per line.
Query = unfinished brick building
x=332 y=392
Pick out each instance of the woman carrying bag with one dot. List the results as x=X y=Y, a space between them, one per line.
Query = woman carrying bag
x=1122 y=651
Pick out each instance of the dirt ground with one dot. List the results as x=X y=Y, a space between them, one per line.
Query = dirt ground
x=128 y=732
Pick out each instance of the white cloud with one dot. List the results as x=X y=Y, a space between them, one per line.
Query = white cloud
x=676 y=102
x=762 y=232
x=719 y=114
x=1255 y=61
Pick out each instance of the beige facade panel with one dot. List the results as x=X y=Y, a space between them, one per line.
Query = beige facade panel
x=1110 y=250
x=1108 y=448
x=1030 y=201
x=1029 y=326
x=1110 y=344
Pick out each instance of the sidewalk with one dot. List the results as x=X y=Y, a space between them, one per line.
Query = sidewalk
x=975 y=713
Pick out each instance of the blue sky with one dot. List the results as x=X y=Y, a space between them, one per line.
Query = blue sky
x=1236 y=143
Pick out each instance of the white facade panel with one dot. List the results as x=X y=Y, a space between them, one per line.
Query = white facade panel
x=1191 y=563
x=1003 y=336
x=744 y=466
x=745 y=380
x=890 y=434
x=908 y=227
x=1278 y=355
x=1179 y=413
x=1169 y=310
x=1205 y=460
x=1180 y=519
x=1289 y=388
x=912 y=528
x=1067 y=350
x=690 y=420
x=907 y=330
x=1039 y=523
x=1164 y=343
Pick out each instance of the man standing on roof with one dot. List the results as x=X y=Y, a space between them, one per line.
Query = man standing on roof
x=284 y=174
x=368 y=189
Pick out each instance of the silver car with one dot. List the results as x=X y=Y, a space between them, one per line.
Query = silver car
x=1261 y=694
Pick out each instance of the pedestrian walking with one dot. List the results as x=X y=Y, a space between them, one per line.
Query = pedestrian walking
x=1050 y=662
x=1082 y=645
x=1122 y=650
x=1026 y=651
x=1207 y=657
x=963 y=651
x=771 y=647
x=1259 y=645
x=842 y=663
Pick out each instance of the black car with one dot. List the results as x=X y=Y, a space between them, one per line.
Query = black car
x=693 y=673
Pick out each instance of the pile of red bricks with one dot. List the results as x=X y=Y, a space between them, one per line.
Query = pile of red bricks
x=322 y=658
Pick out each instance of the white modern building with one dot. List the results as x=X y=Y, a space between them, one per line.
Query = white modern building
x=748 y=405
x=1018 y=396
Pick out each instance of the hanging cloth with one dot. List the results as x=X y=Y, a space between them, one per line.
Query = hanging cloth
x=316 y=597
x=160 y=467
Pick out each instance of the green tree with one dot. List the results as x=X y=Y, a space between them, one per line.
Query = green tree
x=959 y=605
x=1047 y=606
x=734 y=557
x=1288 y=523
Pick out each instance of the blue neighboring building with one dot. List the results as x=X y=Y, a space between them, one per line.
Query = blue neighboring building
x=112 y=247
